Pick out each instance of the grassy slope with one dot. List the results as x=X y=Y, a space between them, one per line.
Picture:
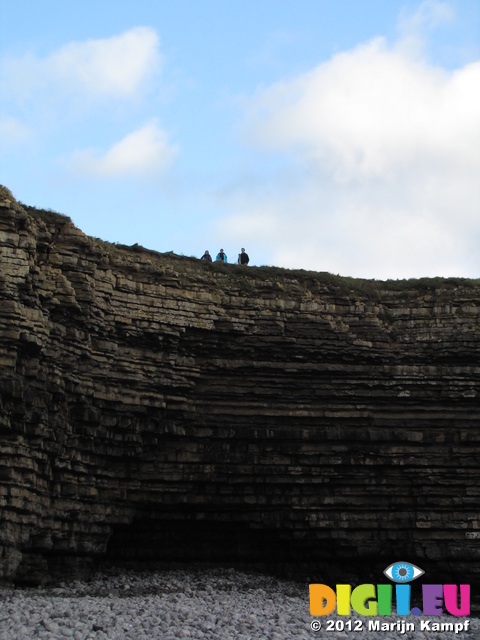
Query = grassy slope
x=371 y=289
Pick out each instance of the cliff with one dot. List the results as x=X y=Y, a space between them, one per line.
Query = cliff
x=155 y=407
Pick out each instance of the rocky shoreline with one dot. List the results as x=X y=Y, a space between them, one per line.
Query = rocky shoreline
x=196 y=602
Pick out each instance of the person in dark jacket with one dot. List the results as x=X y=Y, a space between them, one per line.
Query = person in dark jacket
x=206 y=256
x=221 y=256
x=243 y=257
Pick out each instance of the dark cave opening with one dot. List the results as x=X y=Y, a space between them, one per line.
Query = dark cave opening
x=151 y=541
x=148 y=539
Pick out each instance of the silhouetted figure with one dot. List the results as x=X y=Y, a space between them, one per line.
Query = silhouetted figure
x=243 y=257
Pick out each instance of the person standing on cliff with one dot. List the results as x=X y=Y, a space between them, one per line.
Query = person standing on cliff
x=243 y=258
x=206 y=256
x=221 y=256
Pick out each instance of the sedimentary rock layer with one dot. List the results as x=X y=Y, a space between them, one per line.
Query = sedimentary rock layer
x=155 y=407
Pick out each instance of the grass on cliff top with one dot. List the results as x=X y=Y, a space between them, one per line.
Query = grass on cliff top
x=343 y=285
x=47 y=215
x=370 y=288
x=5 y=194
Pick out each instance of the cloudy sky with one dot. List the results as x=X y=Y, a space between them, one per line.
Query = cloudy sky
x=332 y=135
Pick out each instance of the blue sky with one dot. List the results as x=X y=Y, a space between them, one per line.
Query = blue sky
x=332 y=135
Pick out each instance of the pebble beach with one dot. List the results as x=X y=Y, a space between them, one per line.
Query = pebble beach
x=205 y=603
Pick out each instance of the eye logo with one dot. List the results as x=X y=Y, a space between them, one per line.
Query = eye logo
x=403 y=572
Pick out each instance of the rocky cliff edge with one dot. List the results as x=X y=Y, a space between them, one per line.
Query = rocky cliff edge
x=156 y=408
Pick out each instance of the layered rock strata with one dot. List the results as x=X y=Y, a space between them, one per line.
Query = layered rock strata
x=154 y=407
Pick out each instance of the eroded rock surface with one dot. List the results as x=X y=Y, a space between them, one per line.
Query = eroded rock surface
x=154 y=407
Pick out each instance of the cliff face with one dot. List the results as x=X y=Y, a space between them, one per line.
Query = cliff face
x=155 y=407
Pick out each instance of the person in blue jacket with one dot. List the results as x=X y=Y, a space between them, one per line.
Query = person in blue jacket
x=221 y=256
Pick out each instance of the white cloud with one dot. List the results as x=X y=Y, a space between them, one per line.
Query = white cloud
x=145 y=153
x=385 y=150
x=371 y=112
x=115 y=67
x=429 y=14
x=412 y=26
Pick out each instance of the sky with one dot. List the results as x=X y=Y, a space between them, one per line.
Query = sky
x=328 y=135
